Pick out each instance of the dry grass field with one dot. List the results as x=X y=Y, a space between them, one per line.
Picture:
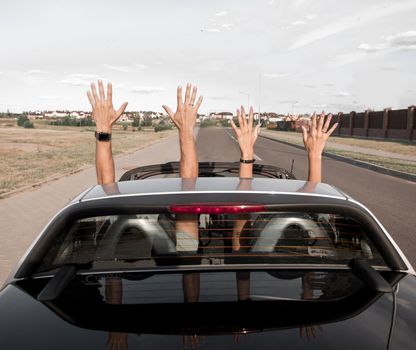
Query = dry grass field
x=30 y=156
x=396 y=155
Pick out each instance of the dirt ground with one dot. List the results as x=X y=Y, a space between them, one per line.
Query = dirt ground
x=30 y=156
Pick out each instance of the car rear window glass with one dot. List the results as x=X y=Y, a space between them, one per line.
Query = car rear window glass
x=163 y=240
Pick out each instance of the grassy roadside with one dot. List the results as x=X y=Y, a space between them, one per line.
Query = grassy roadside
x=341 y=146
x=30 y=156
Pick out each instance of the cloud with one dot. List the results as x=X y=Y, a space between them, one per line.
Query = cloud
x=219 y=98
x=298 y=23
x=371 y=48
x=271 y=2
x=399 y=41
x=221 y=14
x=227 y=25
x=403 y=41
x=48 y=97
x=36 y=71
x=329 y=84
x=391 y=69
x=311 y=16
x=340 y=94
x=276 y=75
x=79 y=79
x=366 y=16
x=309 y=86
x=141 y=66
x=123 y=69
x=212 y=30
x=322 y=105
x=147 y=89
x=294 y=102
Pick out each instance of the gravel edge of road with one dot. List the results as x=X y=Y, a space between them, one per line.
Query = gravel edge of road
x=359 y=163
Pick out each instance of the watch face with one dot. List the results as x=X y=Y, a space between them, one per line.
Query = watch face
x=103 y=136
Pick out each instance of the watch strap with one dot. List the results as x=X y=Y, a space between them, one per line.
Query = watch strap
x=247 y=161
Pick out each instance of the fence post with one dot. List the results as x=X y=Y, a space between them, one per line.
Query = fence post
x=338 y=130
x=352 y=116
x=366 y=122
x=410 y=121
x=386 y=115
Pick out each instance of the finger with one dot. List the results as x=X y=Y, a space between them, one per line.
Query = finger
x=313 y=122
x=198 y=103
x=234 y=126
x=321 y=121
x=257 y=130
x=101 y=90
x=304 y=134
x=121 y=110
x=94 y=92
x=240 y=121
x=179 y=96
x=251 y=117
x=243 y=116
x=171 y=115
x=110 y=92
x=168 y=111
x=91 y=99
x=330 y=131
x=187 y=93
x=193 y=96
x=327 y=122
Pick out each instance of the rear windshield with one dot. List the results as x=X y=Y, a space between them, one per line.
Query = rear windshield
x=143 y=241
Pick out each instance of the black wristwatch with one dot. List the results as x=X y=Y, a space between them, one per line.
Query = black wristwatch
x=103 y=136
x=247 y=161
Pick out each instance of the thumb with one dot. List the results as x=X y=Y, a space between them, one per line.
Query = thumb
x=257 y=130
x=304 y=134
x=121 y=110
x=168 y=111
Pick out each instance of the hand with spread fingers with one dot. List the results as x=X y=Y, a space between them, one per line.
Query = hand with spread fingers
x=103 y=111
x=314 y=139
x=185 y=118
x=246 y=134
x=186 y=111
x=105 y=116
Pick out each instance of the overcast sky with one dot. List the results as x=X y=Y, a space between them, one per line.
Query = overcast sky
x=297 y=55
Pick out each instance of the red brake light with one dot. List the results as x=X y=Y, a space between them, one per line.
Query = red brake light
x=215 y=208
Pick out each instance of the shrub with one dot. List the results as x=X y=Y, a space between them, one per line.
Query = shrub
x=21 y=119
x=162 y=126
x=28 y=124
x=207 y=123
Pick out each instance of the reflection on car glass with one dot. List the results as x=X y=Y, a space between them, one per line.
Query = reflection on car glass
x=154 y=240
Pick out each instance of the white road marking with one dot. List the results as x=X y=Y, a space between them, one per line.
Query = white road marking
x=256 y=157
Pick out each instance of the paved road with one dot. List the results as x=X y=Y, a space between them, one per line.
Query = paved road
x=392 y=200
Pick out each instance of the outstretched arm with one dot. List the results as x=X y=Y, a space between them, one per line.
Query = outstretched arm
x=246 y=137
x=105 y=116
x=314 y=139
x=185 y=118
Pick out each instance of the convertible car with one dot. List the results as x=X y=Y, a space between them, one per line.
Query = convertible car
x=158 y=262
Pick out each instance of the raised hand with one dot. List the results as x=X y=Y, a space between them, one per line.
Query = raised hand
x=246 y=134
x=103 y=111
x=186 y=111
x=315 y=138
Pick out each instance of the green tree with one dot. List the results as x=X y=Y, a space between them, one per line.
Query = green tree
x=21 y=119
x=28 y=124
